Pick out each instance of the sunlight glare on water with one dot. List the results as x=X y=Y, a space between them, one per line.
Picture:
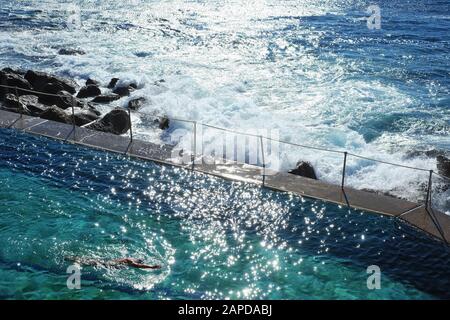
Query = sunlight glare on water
x=214 y=238
x=310 y=69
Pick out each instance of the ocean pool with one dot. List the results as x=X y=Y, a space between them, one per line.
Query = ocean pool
x=215 y=239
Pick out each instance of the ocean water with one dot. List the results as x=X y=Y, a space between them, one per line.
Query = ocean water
x=311 y=70
x=213 y=238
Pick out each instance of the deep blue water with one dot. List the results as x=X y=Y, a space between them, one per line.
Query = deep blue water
x=214 y=238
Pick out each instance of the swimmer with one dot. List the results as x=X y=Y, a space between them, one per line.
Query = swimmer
x=115 y=263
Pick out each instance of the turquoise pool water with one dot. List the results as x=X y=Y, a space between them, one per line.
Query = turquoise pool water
x=214 y=238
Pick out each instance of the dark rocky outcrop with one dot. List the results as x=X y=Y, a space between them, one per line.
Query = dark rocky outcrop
x=106 y=98
x=163 y=123
x=116 y=122
x=33 y=105
x=13 y=80
x=90 y=81
x=71 y=52
x=12 y=103
x=18 y=72
x=40 y=79
x=52 y=88
x=85 y=116
x=304 y=169
x=156 y=120
x=136 y=104
x=443 y=165
x=92 y=109
x=123 y=91
x=442 y=159
x=62 y=99
x=56 y=114
x=113 y=83
x=89 y=91
x=55 y=97
x=433 y=153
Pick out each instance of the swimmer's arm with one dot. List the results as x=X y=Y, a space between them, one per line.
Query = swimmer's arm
x=145 y=266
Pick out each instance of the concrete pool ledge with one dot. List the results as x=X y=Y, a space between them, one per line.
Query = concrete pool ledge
x=429 y=220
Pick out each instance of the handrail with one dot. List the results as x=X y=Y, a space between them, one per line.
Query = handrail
x=429 y=195
x=246 y=134
x=390 y=163
x=270 y=139
x=170 y=118
x=232 y=131
x=305 y=146
x=441 y=176
x=32 y=91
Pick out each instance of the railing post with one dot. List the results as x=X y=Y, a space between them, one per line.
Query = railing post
x=343 y=170
x=73 y=117
x=18 y=101
x=131 y=125
x=194 y=144
x=263 y=160
x=428 y=198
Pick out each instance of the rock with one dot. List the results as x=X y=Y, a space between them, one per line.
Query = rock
x=40 y=79
x=21 y=110
x=442 y=159
x=164 y=123
x=13 y=104
x=11 y=101
x=433 y=153
x=71 y=52
x=136 y=104
x=56 y=114
x=304 y=169
x=113 y=83
x=18 y=72
x=33 y=105
x=92 y=109
x=133 y=85
x=90 y=81
x=89 y=91
x=116 y=121
x=63 y=100
x=123 y=91
x=52 y=88
x=106 y=98
x=85 y=116
x=443 y=165
x=13 y=80
x=155 y=120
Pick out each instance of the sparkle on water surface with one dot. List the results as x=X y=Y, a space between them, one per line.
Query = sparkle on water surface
x=310 y=69
x=214 y=238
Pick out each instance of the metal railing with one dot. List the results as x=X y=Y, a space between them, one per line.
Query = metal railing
x=261 y=138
